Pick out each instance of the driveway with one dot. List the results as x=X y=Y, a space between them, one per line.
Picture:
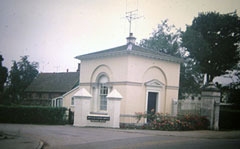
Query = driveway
x=55 y=136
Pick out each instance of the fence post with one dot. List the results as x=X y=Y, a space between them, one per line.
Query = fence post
x=210 y=106
x=174 y=107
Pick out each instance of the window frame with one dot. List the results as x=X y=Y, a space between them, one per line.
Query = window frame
x=102 y=92
x=59 y=102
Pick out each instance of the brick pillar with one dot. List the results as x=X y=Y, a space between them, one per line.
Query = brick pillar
x=210 y=106
x=82 y=107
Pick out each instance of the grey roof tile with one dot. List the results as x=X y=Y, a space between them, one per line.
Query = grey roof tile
x=54 y=82
x=135 y=50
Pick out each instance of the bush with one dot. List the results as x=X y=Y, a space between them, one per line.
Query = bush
x=229 y=119
x=159 y=121
x=32 y=115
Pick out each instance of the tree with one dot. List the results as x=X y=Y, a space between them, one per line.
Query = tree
x=212 y=41
x=3 y=76
x=233 y=89
x=190 y=79
x=166 y=39
x=21 y=75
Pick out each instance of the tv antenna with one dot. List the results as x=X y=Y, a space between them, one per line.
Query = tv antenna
x=132 y=15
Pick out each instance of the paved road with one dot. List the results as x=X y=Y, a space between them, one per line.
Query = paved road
x=75 y=137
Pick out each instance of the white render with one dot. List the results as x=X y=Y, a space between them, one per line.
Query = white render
x=82 y=104
x=82 y=110
x=67 y=98
x=135 y=74
x=114 y=95
x=114 y=103
x=82 y=93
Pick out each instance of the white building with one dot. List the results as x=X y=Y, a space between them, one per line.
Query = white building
x=146 y=79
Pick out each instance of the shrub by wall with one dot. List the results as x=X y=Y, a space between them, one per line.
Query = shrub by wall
x=32 y=115
x=160 y=121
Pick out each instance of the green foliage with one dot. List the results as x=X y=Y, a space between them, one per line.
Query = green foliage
x=159 y=121
x=233 y=96
x=190 y=79
x=212 y=41
x=232 y=90
x=32 y=115
x=21 y=75
x=229 y=119
x=3 y=76
x=70 y=117
x=165 y=39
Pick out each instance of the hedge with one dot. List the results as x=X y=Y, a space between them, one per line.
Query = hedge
x=32 y=115
x=229 y=119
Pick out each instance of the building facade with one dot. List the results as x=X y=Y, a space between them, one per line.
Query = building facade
x=146 y=79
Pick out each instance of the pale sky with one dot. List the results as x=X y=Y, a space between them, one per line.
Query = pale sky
x=53 y=32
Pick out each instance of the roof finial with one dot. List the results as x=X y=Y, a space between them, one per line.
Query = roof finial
x=131 y=39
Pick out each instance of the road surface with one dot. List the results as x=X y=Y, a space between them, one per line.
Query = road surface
x=55 y=136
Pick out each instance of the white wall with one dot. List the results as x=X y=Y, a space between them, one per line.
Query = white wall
x=138 y=70
x=67 y=98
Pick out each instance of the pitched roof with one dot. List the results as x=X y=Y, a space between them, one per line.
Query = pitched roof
x=54 y=82
x=133 y=50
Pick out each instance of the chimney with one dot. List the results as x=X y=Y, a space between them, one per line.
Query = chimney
x=131 y=39
x=79 y=66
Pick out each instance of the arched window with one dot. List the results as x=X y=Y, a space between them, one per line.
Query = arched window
x=103 y=91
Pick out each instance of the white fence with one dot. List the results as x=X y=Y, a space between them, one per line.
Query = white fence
x=189 y=106
x=208 y=106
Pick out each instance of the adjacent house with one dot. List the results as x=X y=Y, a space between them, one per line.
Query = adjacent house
x=145 y=79
x=47 y=88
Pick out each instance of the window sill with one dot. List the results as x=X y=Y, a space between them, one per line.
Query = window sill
x=99 y=113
